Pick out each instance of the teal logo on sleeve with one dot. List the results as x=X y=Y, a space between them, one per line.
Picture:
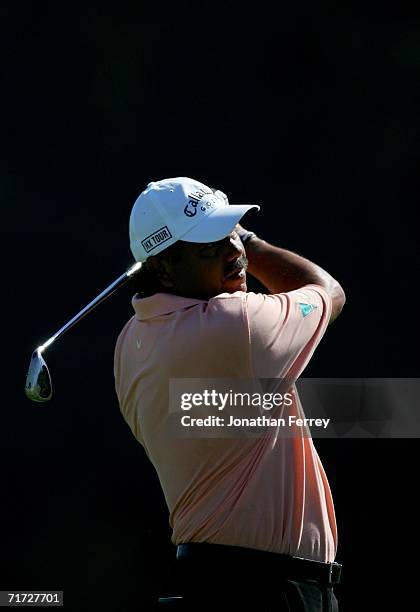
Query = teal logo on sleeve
x=306 y=309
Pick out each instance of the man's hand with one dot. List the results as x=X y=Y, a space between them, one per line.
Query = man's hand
x=244 y=234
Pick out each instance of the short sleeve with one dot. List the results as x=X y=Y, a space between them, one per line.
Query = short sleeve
x=285 y=329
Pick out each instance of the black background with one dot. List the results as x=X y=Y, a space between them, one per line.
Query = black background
x=311 y=112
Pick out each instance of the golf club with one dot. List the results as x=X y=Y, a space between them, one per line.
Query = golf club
x=38 y=380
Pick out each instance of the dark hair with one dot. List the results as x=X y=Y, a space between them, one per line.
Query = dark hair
x=146 y=282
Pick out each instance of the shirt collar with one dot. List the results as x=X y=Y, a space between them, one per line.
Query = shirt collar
x=160 y=304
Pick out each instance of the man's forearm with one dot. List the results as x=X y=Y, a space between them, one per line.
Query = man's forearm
x=280 y=270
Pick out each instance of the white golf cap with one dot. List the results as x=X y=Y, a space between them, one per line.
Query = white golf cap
x=180 y=209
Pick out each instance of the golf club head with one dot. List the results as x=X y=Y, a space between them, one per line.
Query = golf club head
x=38 y=380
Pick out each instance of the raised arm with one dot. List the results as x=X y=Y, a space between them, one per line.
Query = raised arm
x=280 y=270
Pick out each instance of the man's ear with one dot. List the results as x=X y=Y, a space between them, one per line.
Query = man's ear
x=162 y=269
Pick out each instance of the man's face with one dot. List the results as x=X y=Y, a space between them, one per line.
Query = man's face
x=205 y=270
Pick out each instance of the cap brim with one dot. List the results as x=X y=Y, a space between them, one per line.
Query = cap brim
x=217 y=224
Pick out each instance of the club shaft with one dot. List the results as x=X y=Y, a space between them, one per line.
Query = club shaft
x=121 y=280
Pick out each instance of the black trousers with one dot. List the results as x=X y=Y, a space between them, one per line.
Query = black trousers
x=226 y=578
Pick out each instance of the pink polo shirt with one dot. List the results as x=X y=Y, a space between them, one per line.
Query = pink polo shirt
x=269 y=493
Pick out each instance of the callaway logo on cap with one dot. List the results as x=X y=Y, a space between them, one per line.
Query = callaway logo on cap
x=180 y=209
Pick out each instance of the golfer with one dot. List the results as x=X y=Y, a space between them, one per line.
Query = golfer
x=252 y=516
